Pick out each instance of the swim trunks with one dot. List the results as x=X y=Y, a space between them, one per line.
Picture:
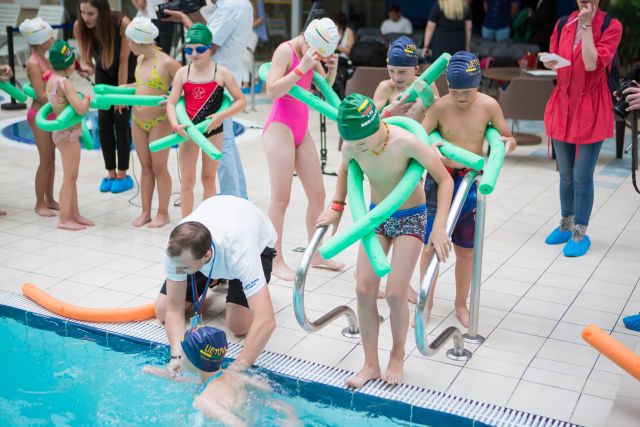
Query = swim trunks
x=404 y=222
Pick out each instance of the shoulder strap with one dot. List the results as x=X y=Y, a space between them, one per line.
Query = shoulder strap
x=188 y=70
x=561 y=23
x=215 y=70
x=605 y=24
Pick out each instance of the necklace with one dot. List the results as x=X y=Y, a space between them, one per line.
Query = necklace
x=386 y=141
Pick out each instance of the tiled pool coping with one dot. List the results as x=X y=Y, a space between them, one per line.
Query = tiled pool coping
x=314 y=381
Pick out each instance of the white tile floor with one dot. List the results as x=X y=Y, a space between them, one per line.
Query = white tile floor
x=534 y=305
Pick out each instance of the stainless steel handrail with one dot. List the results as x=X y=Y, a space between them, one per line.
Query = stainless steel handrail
x=472 y=335
x=458 y=352
x=298 y=295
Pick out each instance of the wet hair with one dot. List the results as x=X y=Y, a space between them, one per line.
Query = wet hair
x=98 y=40
x=341 y=20
x=190 y=235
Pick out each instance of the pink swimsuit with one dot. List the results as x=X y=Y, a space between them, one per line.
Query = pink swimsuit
x=46 y=75
x=288 y=110
x=58 y=103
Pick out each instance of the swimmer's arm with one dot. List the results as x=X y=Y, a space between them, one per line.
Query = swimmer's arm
x=172 y=66
x=256 y=382
x=279 y=82
x=81 y=106
x=123 y=66
x=163 y=372
x=501 y=125
x=381 y=95
x=214 y=411
x=240 y=101
x=174 y=97
x=330 y=216
x=430 y=121
x=330 y=74
x=39 y=86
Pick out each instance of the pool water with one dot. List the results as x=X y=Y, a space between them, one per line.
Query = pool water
x=21 y=132
x=70 y=377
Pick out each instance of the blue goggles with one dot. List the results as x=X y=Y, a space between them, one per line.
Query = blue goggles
x=199 y=49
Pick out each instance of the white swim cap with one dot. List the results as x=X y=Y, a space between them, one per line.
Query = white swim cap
x=36 y=31
x=141 y=30
x=322 y=35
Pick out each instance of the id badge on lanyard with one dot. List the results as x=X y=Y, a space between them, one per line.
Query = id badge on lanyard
x=198 y=302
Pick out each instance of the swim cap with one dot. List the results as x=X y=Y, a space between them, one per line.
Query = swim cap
x=358 y=117
x=464 y=71
x=322 y=35
x=205 y=347
x=61 y=55
x=141 y=30
x=199 y=34
x=402 y=53
x=36 y=31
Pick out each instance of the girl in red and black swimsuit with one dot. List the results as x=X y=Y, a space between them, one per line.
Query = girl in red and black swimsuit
x=203 y=97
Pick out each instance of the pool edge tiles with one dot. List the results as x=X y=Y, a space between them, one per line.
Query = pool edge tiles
x=310 y=380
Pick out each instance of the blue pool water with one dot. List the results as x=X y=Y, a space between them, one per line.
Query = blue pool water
x=67 y=376
x=21 y=132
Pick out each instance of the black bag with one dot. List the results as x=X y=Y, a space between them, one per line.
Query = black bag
x=613 y=72
x=371 y=53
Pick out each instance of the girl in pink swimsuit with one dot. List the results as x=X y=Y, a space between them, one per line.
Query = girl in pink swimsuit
x=288 y=145
x=38 y=72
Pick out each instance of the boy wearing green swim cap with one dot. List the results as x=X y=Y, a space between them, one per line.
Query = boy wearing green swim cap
x=462 y=117
x=384 y=152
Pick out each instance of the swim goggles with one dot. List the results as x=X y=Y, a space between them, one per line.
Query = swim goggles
x=200 y=49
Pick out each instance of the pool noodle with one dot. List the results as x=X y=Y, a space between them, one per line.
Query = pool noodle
x=495 y=161
x=457 y=154
x=13 y=91
x=196 y=136
x=612 y=349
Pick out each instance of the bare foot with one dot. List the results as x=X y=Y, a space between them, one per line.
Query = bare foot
x=159 y=221
x=367 y=373
x=282 y=271
x=393 y=374
x=43 y=211
x=462 y=313
x=413 y=295
x=142 y=219
x=319 y=262
x=53 y=205
x=70 y=225
x=84 y=221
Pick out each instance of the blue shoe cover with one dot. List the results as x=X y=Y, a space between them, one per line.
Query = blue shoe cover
x=576 y=249
x=556 y=237
x=106 y=184
x=120 y=185
x=632 y=322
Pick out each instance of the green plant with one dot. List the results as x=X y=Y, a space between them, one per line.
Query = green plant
x=628 y=13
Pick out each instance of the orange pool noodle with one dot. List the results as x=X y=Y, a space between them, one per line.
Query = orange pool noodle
x=100 y=315
x=613 y=349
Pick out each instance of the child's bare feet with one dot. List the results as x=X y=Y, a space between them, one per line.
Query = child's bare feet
x=43 y=211
x=366 y=374
x=393 y=374
x=83 y=221
x=159 y=221
x=319 y=262
x=142 y=219
x=282 y=270
x=70 y=225
x=53 y=205
x=462 y=313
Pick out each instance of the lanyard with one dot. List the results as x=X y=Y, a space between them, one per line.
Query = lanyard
x=198 y=302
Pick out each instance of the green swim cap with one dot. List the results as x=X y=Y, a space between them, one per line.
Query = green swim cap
x=358 y=117
x=199 y=34
x=61 y=55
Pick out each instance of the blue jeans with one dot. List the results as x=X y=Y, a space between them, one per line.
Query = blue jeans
x=498 y=34
x=576 y=178
x=230 y=171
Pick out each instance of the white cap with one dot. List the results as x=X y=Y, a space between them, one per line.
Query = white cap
x=36 y=31
x=322 y=35
x=141 y=30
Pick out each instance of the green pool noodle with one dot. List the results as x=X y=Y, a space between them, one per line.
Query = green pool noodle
x=13 y=91
x=323 y=107
x=495 y=161
x=102 y=89
x=196 y=136
x=67 y=118
x=429 y=76
x=104 y=102
x=457 y=154
x=86 y=138
x=370 y=242
x=366 y=224
x=175 y=139
x=29 y=90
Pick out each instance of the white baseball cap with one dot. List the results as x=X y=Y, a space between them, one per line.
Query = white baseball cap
x=36 y=31
x=322 y=35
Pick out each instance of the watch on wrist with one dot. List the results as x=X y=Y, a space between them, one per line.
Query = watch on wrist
x=176 y=356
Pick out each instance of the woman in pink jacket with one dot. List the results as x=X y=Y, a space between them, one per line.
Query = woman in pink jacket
x=579 y=115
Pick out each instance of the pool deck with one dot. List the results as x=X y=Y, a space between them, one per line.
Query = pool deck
x=534 y=301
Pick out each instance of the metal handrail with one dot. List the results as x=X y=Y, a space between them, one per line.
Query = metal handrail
x=458 y=352
x=298 y=295
x=472 y=335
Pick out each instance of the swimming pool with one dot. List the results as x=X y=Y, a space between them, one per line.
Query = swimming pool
x=75 y=373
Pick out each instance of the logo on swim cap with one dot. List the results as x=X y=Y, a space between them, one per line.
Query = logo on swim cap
x=322 y=35
x=402 y=53
x=358 y=117
x=463 y=71
x=205 y=347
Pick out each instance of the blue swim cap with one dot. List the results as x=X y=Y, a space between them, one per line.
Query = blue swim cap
x=402 y=53
x=205 y=347
x=464 y=71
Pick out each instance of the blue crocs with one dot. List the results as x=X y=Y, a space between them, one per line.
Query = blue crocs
x=576 y=249
x=122 y=184
x=632 y=322
x=556 y=237
x=106 y=184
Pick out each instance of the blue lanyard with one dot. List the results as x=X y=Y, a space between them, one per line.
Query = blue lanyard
x=198 y=302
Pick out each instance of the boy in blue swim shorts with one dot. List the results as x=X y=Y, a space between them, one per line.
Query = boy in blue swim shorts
x=462 y=117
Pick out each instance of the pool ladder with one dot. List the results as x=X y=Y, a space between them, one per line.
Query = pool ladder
x=458 y=352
